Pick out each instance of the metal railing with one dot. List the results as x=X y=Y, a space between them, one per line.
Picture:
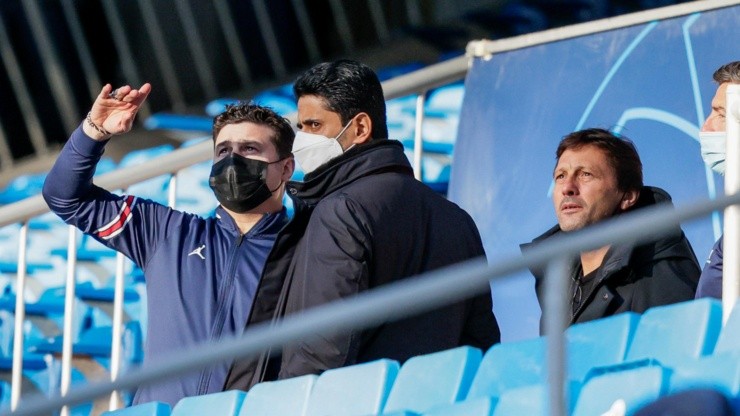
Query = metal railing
x=407 y=297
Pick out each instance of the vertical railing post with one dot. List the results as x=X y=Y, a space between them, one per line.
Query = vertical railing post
x=20 y=317
x=69 y=312
x=117 y=330
x=731 y=248
x=172 y=191
x=555 y=320
x=418 y=137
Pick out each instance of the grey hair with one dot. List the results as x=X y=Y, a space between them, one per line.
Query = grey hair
x=728 y=73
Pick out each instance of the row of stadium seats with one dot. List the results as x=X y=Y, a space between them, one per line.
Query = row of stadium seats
x=628 y=357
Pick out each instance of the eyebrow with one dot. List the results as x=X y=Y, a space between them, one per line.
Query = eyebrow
x=249 y=142
x=299 y=123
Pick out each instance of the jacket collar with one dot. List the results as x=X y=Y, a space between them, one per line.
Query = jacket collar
x=620 y=256
x=367 y=159
x=269 y=224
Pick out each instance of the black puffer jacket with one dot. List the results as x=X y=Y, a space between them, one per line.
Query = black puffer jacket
x=363 y=221
x=634 y=278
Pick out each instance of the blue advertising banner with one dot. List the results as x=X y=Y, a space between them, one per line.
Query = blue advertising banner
x=651 y=82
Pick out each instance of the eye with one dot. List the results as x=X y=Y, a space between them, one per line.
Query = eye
x=559 y=176
x=222 y=151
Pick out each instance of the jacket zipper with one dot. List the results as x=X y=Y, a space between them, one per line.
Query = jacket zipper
x=224 y=291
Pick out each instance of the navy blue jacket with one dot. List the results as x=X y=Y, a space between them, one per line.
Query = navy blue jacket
x=710 y=281
x=201 y=274
x=363 y=221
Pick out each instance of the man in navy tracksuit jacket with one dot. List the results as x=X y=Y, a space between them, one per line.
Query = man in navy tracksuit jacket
x=201 y=273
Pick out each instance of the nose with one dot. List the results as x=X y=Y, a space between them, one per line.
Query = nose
x=712 y=123
x=569 y=186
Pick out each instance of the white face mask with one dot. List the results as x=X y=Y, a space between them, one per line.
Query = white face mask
x=714 y=149
x=313 y=150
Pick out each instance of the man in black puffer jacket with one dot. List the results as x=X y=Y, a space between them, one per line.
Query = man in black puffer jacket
x=599 y=175
x=361 y=221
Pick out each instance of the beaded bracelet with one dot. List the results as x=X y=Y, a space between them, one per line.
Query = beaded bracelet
x=99 y=129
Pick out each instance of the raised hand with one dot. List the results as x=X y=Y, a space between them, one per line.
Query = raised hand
x=113 y=111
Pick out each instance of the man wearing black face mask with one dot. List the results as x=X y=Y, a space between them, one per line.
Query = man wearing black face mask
x=201 y=273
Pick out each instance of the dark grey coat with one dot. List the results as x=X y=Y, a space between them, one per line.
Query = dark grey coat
x=634 y=278
x=363 y=221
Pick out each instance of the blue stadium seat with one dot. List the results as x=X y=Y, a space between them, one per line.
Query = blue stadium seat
x=720 y=372
x=225 y=403
x=217 y=106
x=42 y=375
x=96 y=342
x=144 y=409
x=279 y=398
x=675 y=332
x=529 y=400
x=47 y=314
x=360 y=389
x=22 y=187
x=509 y=365
x=430 y=380
x=279 y=103
x=5 y=389
x=180 y=122
x=729 y=337
x=599 y=343
x=87 y=292
x=477 y=407
x=635 y=387
x=280 y=99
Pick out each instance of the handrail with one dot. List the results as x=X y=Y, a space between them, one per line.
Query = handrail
x=404 y=298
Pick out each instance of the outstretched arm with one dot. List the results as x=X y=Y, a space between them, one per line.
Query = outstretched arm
x=123 y=222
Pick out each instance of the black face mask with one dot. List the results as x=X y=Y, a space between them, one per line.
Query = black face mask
x=239 y=182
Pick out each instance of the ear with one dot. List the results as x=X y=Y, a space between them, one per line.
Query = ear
x=362 y=126
x=288 y=169
x=629 y=199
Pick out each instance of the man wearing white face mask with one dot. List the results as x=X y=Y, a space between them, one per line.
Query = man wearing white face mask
x=361 y=221
x=713 y=139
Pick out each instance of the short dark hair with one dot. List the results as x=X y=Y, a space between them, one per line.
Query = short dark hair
x=620 y=151
x=243 y=112
x=728 y=73
x=349 y=88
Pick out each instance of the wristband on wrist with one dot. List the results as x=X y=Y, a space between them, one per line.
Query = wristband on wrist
x=97 y=128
